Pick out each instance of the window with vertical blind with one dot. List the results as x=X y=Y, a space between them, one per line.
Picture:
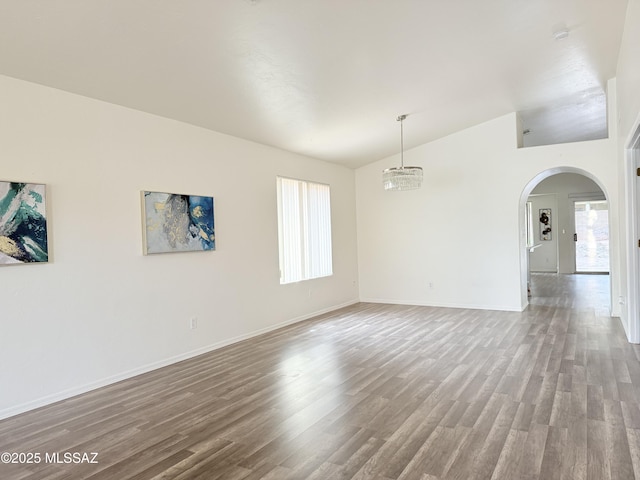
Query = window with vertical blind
x=304 y=230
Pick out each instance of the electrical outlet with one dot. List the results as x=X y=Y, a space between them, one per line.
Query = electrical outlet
x=193 y=323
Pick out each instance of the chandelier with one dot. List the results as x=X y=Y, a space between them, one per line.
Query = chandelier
x=402 y=178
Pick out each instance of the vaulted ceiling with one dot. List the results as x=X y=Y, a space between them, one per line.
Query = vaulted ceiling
x=324 y=78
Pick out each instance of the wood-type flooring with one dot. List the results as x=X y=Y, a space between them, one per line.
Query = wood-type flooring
x=370 y=391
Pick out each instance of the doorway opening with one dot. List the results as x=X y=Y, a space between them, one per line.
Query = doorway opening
x=553 y=193
x=591 y=236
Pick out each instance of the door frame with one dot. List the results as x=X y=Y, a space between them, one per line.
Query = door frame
x=632 y=154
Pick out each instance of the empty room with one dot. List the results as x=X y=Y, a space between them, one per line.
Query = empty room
x=428 y=266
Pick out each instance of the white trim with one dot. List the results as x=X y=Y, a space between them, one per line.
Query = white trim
x=471 y=306
x=587 y=196
x=72 y=392
x=632 y=158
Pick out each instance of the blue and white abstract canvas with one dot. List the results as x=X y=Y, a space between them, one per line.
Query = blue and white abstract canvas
x=23 y=223
x=177 y=223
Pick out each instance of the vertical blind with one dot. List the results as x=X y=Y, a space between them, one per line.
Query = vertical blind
x=304 y=230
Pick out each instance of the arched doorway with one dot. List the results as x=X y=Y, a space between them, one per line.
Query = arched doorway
x=559 y=245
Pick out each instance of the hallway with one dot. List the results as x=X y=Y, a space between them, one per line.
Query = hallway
x=579 y=291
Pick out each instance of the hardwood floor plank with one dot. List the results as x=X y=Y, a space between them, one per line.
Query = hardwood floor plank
x=574 y=458
x=633 y=438
x=531 y=463
x=421 y=426
x=510 y=457
x=353 y=464
x=620 y=463
x=436 y=453
x=597 y=452
x=551 y=467
x=546 y=399
x=486 y=461
x=470 y=449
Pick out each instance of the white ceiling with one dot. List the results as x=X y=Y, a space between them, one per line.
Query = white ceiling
x=325 y=78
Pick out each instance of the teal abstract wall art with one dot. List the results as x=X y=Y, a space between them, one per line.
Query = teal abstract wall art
x=23 y=223
x=177 y=223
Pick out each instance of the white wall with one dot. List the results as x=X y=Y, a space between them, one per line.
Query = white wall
x=628 y=72
x=628 y=121
x=544 y=258
x=462 y=231
x=101 y=311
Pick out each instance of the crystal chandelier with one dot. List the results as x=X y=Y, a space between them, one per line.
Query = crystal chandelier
x=402 y=178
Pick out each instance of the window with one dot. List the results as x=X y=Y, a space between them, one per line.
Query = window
x=529 y=219
x=304 y=230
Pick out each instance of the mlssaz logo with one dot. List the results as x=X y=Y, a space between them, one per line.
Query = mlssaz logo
x=72 y=457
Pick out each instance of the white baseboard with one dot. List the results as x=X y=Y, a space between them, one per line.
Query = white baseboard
x=72 y=392
x=502 y=308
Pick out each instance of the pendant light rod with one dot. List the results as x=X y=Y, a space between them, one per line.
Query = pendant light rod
x=402 y=178
x=400 y=119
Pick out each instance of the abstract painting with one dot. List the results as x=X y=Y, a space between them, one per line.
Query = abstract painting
x=23 y=223
x=177 y=223
x=545 y=224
